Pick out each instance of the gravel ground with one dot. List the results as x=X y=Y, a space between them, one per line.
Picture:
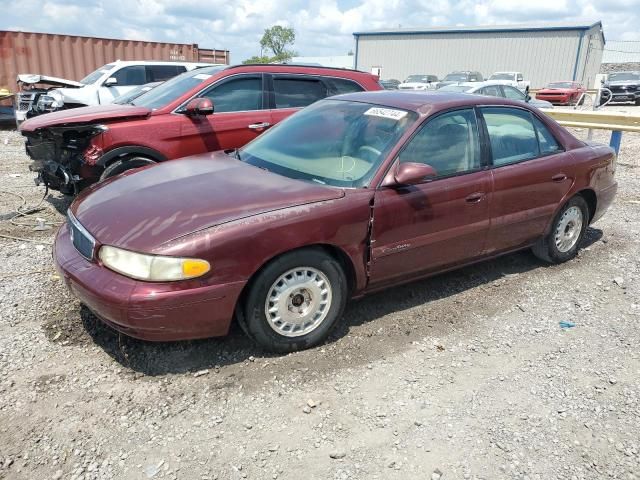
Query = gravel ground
x=465 y=375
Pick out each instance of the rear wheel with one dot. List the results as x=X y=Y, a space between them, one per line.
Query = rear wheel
x=295 y=301
x=563 y=240
x=126 y=163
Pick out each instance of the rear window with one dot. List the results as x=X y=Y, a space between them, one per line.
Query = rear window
x=338 y=86
x=297 y=92
x=160 y=73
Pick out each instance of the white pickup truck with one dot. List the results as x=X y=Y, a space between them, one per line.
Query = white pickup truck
x=515 y=79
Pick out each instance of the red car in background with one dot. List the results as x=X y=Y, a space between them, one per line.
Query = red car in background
x=207 y=109
x=349 y=196
x=562 y=93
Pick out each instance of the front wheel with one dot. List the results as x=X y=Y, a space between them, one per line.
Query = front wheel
x=124 y=164
x=295 y=301
x=563 y=240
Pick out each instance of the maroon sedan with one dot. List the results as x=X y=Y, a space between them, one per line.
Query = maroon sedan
x=561 y=93
x=349 y=196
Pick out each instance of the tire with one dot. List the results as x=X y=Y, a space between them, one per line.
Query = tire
x=126 y=163
x=563 y=240
x=313 y=278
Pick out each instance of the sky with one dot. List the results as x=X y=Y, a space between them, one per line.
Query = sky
x=323 y=27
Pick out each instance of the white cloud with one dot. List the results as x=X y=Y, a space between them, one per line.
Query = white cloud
x=322 y=28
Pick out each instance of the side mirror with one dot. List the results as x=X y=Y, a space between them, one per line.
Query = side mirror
x=111 y=82
x=411 y=173
x=527 y=98
x=199 y=107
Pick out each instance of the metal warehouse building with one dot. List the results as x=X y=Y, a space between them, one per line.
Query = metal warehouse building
x=541 y=53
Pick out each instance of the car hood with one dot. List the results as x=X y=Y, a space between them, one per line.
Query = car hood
x=621 y=83
x=31 y=79
x=84 y=115
x=142 y=210
x=414 y=84
x=557 y=90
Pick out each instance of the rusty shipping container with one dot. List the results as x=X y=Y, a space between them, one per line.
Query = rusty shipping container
x=73 y=57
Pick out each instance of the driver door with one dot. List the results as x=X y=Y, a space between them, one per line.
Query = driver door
x=442 y=221
x=238 y=116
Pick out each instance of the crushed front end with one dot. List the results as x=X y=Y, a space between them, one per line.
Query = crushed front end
x=64 y=157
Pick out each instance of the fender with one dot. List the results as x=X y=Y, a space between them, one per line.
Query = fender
x=111 y=155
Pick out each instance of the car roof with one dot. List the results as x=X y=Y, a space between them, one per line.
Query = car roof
x=158 y=62
x=424 y=103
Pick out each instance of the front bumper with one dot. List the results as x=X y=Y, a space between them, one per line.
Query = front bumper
x=555 y=99
x=146 y=310
x=622 y=96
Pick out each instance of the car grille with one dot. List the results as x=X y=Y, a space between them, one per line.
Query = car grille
x=405 y=88
x=623 y=88
x=25 y=101
x=82 y=240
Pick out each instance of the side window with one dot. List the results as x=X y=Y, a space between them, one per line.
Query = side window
x=512 y=135
x=513 y=93
x=520 y=78
x=133 y=75
x=236 y=95
x=548 y=144
x=449 y=143
x=160 y=73
x=338 y=86
x=492 y=90
x=297 y=92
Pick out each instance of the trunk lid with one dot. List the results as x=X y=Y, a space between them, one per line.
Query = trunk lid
x=144 y=209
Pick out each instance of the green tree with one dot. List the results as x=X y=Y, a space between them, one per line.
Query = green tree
x=275 y=40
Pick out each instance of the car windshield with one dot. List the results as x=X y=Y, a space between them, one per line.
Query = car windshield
x=456 y=77
x=175 y=87
x=561 y=85
x=417 y=78
x=455 y=88
x=135 y=93
x=502 y=76
x=624 y=77
x=93 y=77
x=332 y=142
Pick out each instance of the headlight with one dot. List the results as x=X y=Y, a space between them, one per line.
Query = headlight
x=56 y=96
x=153 y=268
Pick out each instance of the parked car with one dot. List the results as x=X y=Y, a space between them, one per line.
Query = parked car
x=624 y=86
x=347 y=197
x=515 y=79
x=74 y=148
x=562 y=93
x=460 y=77
x=131 y=95
x=419 y=82
x=496 y=89
x=391 y=84
x=43 y=94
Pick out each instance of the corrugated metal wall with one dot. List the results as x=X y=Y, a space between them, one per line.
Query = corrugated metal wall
x=73 y=57
x=542 y=56
x=590 y=58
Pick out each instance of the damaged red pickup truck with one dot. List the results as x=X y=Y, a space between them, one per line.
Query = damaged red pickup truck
x=211 y=108
x=349 y=196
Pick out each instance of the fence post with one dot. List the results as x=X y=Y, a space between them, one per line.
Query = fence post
x=616 y=139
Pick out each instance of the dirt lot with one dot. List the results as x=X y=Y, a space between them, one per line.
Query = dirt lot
x=465 y=375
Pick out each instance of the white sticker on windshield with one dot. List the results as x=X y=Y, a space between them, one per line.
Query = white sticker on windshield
x=202 y=76
x=386 y=113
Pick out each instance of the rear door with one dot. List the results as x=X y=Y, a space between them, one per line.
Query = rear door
x=288 y=93
x=531 y=175
x=239 y=116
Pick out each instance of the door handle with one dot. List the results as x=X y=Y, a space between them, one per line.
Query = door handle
x=475 y=197
x=259 y=126
x=560 y=177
